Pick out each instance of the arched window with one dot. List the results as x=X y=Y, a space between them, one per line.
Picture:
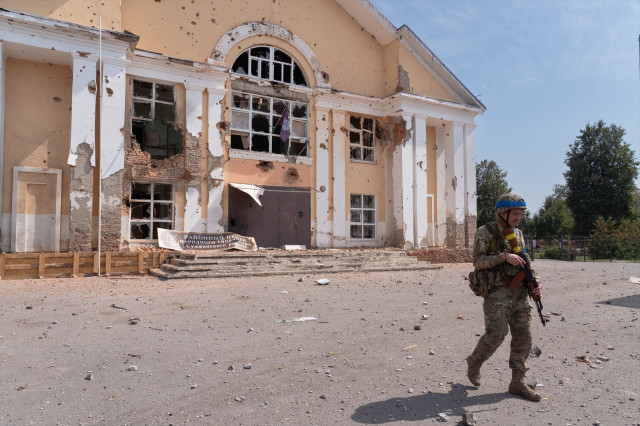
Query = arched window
x=269 y=63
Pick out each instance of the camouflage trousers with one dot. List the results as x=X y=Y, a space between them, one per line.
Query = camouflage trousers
x=502 y=313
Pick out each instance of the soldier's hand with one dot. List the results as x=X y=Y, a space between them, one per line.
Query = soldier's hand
x=537 y=291
x=514 y=259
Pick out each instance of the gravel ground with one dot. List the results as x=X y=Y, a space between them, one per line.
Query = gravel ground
x=383 y=348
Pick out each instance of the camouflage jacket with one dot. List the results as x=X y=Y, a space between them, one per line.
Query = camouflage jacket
x=487 y=250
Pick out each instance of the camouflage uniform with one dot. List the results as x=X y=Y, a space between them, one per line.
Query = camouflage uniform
x=501 y=311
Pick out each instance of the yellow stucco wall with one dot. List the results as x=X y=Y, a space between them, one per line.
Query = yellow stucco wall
x=420 y=80
x=37 y=122
x=247 y=171
x=83 y=12
x=350 y=56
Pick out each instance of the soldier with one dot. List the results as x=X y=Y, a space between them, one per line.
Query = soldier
x=504 y=309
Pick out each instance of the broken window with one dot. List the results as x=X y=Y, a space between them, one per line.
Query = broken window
x=363 y=216
x=151 y=208
x=153 y=119
x=269 y=63
x=255 y=127
x=361 y=131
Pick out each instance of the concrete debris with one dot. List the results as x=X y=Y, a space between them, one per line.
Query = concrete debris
x=535 y=352
x=323 y=281
x=443 y=417
x=469 y=419
x=300 y=319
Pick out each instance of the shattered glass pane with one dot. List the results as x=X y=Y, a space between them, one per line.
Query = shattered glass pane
x=163 y=191
x=163 y=225
x=140 y=210
x=354 y=137
x=165 y=113
x=239 y=120
x=367 y=139
x=141 y=191
x=356 y=231
x=279 y=55
x=298 y=76
x=278 y=106
x=279 y=146
x=264 y=69
x=369 y=201
x=241 y=65
x=368 y=216
x=299 y=128
x=240 y=141
x=356 y=153
x=356 y=201
x=277 y=71
x=299 y=111
x=255 y=64
x=140 y=231
x=286 y=74
x=368 y=231
x=260 y=123
x=299 y=148
x=369 y=155
x=367 y=124
x=355 y=122
x=142 y=89
x=260 y=103
x=240 y=101
x=142 y=109
x=162 y=211
x=260 y=52
x=260 y=143
x=164 y=93
x=356 y=216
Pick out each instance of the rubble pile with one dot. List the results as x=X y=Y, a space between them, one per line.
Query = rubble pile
x=442 y=255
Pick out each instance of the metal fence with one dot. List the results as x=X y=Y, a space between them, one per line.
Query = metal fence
x=584 y=248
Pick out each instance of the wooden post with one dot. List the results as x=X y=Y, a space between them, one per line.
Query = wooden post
x=96 y=262
x=141 y=262
x=107 y=263
x=163 y=255
x=3 y=261
x=76 y=264
x=41 y=260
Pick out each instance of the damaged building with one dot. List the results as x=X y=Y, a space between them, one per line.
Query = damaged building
x=122 y=117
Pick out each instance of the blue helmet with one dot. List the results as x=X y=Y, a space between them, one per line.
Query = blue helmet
x=508 y=202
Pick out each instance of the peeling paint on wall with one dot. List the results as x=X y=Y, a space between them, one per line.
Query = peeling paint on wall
x=404 y=85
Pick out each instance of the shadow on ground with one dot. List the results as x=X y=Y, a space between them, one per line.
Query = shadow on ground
x=632 y=302
x=428 y=406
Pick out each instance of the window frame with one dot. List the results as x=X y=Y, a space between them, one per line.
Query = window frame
x=152 y=201
x=273 y=118
x=153 y=102
x=271 y=62
x=362 y=134
x=362 y=224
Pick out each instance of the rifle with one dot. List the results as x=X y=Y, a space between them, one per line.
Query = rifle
x=525 y=274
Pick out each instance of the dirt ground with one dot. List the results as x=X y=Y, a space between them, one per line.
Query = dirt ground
x=383 y=348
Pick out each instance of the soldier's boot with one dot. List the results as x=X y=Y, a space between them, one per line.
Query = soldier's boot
x=473 y=370
x=519 y=387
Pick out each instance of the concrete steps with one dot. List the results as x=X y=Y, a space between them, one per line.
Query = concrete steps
x=280 y=262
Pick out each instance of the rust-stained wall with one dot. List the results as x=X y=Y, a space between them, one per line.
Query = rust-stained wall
x=37 y=122
x=83 y=12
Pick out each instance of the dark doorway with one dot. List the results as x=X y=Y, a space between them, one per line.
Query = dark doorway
x=283 y=218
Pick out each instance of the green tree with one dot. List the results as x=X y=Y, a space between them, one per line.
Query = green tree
x=491 y=184
x=600 y=176
x=554 y=218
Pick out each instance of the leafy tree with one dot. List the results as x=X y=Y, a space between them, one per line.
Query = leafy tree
x=601 y=174
x=553 y=218
x=491 y=184
x=527 y=224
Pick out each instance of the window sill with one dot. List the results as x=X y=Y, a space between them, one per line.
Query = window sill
x=265 y=156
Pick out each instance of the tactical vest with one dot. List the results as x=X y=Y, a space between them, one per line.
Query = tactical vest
x=504 y=272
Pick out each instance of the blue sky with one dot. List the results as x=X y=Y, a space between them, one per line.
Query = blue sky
x=543 y=68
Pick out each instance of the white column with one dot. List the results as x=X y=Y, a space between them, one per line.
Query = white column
x=193 y=112
x=83 y=106
x=214 y=205
x=470 y=169
x=340 y=147
x=323 y=228
x=454 y=183
x=4 y=224
x=112 y=117
x=403 y=180
x=420 y=179
x=442 y=133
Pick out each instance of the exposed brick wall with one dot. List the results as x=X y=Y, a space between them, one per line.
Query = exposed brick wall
x=111 y=212
x=80 y=190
